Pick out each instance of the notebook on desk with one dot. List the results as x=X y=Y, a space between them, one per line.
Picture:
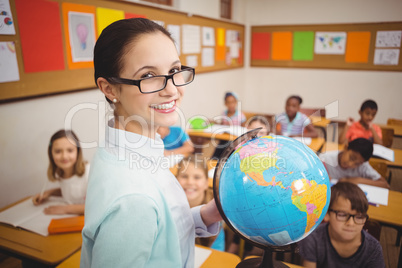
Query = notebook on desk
x=30 y=217
x=383 y=152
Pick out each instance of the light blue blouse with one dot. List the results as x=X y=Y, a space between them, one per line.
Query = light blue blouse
x=136 y=213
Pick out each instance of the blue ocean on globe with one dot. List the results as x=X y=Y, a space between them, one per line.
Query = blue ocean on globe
x=273 y=190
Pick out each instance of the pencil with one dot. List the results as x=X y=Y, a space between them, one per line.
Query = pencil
x=43 y=190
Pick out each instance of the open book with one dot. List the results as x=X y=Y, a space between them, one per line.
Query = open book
x=383 y=152
x=30 y=217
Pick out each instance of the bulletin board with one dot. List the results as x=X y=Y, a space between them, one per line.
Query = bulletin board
x=357 y=46
x=49 y=52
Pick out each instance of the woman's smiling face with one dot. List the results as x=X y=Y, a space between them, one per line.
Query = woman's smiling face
x=149 y=55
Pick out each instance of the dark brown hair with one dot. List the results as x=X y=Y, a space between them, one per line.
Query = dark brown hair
x=351 y=192
x=79 y=167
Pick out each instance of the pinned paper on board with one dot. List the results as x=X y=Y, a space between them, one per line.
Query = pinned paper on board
x=357 y=47
x=174 y=31
x=282 y=45
x=260 y=46
x=106 y=16
x=8 y=63
x=208 y=36
x=388 y=39
x=208 y=56
x=303 y=45
x=41 y=43
x=386 y=56
x=82 y=35
x=330 y=43
x=6 y=18
x=191 y=42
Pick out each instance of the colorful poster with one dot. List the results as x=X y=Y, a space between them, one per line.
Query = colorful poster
x=330 y=43
x=106 y=16
x=303 y=46
x=81 y=28
x=282 y=45
x=132 y=15
x=191 y=39
x=260 y=46
x=386 y=56
x=388 y=39
x=8 y=63
x=357 y=47
x=80 y=34
x=41 y=36
x=220 y=36
x=6 y=18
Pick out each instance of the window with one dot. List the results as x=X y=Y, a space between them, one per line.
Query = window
x=162 y=2
x=226 y=9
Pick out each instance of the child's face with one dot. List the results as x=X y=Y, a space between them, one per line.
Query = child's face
x=258 y=124
x=292 y=107
x=194 y=183
x=367 y=116
x=231 y=104
x=343 y=230
x=349 y=159
x=64 y=153
x=152 y=54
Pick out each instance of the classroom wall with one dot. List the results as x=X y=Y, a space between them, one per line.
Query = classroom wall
x=27 y=125
x=266 y=89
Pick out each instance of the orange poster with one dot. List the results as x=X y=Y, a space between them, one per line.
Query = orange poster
x=281 y=45
x=357 y=47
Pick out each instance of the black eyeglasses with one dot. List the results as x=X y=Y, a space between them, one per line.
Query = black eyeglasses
x=343 y=216
x=157 y=83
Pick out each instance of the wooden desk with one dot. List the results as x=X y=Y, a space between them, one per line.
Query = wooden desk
x=48 y=250
x=216 y=259
x=397 y=129
x=397 y=163
x=316 y=143
x=389 y=215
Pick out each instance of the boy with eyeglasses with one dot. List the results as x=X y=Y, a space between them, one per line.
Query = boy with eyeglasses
x=341 y=240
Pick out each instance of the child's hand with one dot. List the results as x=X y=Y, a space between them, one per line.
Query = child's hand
x=350 y=121
x=39 y=199
x=59 y=210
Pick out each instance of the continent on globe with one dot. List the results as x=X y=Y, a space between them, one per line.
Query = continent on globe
x=273 y=190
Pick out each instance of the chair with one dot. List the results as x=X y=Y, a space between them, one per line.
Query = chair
x=382 y=168
x=387 y=136
x=313 y=111
x=373 y=227
x=394 y=121
x=249 y=115
x=316 y=112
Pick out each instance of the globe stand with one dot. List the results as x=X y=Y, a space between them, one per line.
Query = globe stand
x=265 y=262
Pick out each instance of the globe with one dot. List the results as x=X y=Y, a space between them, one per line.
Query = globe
x=271 y=190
